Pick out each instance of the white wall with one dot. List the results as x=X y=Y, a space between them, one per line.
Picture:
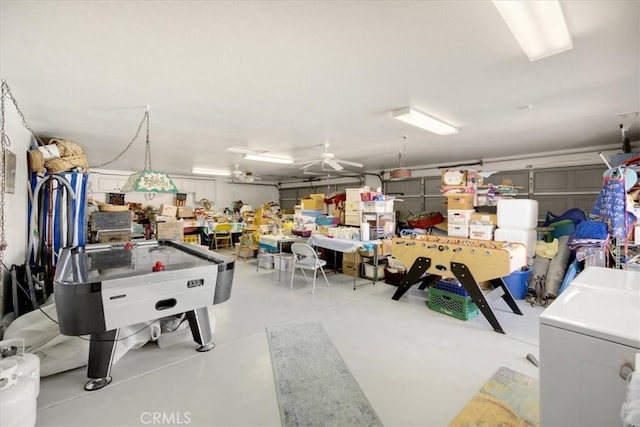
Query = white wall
x=15 y=214
x=251 y=194
x=15 y=205
x=220 y=192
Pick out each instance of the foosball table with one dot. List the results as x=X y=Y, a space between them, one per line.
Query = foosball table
x=468 y=260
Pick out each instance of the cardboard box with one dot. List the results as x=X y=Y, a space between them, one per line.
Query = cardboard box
x=170 y=230
x=353 y=194
x=351 y=269
x=351 y=258
x=185 y=212
x=353 y=207
x=460 y=201
x=485 y=217
x=313 y=202
x=168 y=210
x=352 y=219
x=481 y=232
x=459 y=216
x=455 y=230
x=385 y=248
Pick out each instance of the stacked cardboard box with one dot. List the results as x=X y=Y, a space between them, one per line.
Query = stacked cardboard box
x=458 y=221
x=353 y=207
x=351 y=264
x=482 y=226
x=313 y=202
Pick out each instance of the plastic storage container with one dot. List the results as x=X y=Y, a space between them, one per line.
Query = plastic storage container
x=517 y=214
x=265 y=261
x=451 y=285
x=517 y=283
x=454 y=305
x=526 y=237
x=283 y=262
x=19 y=384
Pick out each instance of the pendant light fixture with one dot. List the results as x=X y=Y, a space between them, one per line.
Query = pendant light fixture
x=401 y=172
x=148 y=181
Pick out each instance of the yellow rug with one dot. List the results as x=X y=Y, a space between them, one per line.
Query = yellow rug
x=508 y=399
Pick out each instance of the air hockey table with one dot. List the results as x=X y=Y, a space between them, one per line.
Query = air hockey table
x=100 y=288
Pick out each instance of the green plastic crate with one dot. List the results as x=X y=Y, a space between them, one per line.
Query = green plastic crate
x=458 y=306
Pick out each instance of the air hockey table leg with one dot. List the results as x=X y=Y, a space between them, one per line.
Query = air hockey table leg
x=201 y=328
x=101 y=351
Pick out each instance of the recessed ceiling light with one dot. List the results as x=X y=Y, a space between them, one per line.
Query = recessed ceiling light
x=524 y=107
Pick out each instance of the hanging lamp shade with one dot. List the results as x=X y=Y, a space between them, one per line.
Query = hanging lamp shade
x=147 y=181
x=400 y=172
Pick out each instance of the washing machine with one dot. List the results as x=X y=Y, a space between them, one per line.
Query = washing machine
x=587 y=335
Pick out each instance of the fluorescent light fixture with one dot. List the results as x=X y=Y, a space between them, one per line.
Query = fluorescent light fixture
x=216 y=172
x=421 y=120
x=538 y=25
x=270 y=159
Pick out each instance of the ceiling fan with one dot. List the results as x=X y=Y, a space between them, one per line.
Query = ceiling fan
x=238 y=175
x=328 y=159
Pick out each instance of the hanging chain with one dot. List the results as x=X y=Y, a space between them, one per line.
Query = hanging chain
x=402 y=152
x=147 y=149
x=6 y=93
x=5 y=143
x=145 y=118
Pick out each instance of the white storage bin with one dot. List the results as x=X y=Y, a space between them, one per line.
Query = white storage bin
x=380 y=206
x=455 y=230
x=283 y=262
x=370 y=271
x=517 y=214
x=481 y=231
x=265 y=261
x=20 y=384
x=459 y=216
x=526 y=237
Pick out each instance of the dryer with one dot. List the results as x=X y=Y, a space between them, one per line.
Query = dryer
x=586 y=336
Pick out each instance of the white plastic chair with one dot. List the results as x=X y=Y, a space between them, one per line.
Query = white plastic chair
x=306 y=258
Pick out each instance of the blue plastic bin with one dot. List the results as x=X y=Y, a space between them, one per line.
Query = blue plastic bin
x=517 y=283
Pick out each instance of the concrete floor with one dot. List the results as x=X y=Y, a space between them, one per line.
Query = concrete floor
x=417 y=367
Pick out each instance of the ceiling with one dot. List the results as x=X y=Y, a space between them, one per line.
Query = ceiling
x=286 y=77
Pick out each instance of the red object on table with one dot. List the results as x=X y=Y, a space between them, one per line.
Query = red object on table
x=158 y=266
